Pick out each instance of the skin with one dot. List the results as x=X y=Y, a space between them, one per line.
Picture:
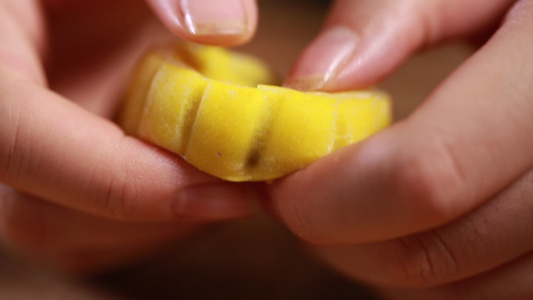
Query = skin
x=75 y=191
x=438 y=205
x=435 y=207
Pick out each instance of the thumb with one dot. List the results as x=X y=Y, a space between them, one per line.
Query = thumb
x=220 y=22
x=364 y=40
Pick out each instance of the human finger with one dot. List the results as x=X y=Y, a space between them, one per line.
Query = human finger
x=468 y=141
x=489 y=237
x=222 y=22
x=74 y=241
x=54 y=149
x=362 y=41
x=512 y=281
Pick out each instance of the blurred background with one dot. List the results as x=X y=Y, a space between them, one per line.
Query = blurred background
x=252 y=259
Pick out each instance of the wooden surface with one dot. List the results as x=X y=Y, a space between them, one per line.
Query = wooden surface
x=254 y=259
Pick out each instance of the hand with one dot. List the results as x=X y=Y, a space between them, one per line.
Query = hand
x=75 y=192
x=438 y=206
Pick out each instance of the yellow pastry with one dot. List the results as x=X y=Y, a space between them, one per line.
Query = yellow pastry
x=219 y=110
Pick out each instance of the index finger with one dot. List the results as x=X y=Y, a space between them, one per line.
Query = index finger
x=363 y=41
x=51 y=148
x=469 y=140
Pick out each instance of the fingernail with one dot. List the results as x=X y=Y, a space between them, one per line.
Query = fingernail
x=323 y=59
x=219 y=201
x=214 y=17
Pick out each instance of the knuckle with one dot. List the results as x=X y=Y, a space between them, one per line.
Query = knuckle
x=112 y=197
x=423 y=260
x=430 y=183
x=112 y=194
x=112 y=200
x=114 y=203
x=299 y=225
x=11 y=160
x=301 y=221
x=18 y=156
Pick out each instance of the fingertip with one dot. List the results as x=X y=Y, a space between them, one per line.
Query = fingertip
x=217 y=202
x=351 y=55
x=321 y=62
x=223 y=23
